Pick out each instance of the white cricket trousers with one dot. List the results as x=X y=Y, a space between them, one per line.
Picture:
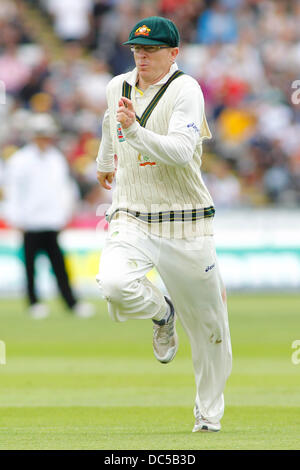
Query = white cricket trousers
x=190 y=272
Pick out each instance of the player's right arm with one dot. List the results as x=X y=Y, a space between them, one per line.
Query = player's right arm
x=184 y=133
x=105 y=159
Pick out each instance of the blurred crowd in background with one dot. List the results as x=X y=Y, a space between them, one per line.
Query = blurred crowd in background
x=58 y=56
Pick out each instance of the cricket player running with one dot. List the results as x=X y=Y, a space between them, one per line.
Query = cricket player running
x=161 y=214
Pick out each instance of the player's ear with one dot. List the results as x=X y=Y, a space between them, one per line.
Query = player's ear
x=174 y=53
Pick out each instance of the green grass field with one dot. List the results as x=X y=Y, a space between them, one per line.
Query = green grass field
x=94 y=384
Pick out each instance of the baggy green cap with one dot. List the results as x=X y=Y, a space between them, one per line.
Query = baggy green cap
x=154 y=30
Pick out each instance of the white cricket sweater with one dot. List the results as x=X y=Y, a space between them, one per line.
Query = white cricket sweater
x=159 y=165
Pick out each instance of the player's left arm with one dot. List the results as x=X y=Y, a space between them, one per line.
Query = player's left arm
x=178 y=146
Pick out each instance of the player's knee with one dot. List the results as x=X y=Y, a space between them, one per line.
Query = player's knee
x=113 y=289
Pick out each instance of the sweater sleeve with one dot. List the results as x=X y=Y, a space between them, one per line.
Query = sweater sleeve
x=178 y=146
x=105 y=158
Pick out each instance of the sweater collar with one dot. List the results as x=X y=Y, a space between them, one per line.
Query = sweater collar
x=132 y=78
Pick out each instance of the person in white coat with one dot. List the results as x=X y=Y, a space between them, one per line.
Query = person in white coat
x=39 y=194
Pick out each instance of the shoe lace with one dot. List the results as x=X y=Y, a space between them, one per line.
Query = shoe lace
x=164 y=333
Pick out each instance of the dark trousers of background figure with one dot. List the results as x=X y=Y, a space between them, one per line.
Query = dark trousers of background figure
x=46 y=241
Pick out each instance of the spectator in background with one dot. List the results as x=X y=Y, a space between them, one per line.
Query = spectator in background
x=111 y=34
x=64 y=76
x=38 y=74
x=13 y=71
x=8 y=11
x=276 y=181
x=72 y=18
x=217 y=24
x=91 y=89
x=223 y=185
x=104 y=20
x=169 y=7
x=120 y=59
x=39 y=199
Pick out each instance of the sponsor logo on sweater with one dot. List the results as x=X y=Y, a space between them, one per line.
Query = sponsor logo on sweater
x=145 y=160
x=121 y=138
x=193 y=126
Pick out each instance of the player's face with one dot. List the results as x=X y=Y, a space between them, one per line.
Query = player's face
x=43 y=142
x=152 y=65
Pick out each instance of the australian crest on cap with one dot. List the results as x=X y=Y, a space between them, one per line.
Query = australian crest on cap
x=142 y=31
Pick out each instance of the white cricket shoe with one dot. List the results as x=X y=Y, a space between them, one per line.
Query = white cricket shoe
x=165 y=340
x=204 y=425
x=38 y=311
x=84 y=310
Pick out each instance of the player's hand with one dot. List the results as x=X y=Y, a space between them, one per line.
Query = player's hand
x=105 y=177
x=125 y=112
